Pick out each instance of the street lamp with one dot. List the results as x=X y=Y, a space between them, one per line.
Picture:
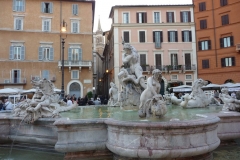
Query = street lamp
x=63 y=30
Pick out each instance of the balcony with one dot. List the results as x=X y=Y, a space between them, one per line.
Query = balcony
x=79 y=64
x=13 y=81
x=176 y=68
x=50 y=77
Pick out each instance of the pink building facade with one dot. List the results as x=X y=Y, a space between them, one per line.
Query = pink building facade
x=164 y=36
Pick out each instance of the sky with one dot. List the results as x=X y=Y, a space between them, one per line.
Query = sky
x=103 y=8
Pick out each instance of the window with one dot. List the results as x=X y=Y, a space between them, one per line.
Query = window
x=142 y=17
x=172 y=36
x=157 y=38
x=16 y=76
x=189 y=83
x=125 y=18
x=74 y=54
x=75 y=26
x=126 y=36
x=188 y=76
x=185 y=16
x=174 y=77
x=186 y=36
x=202 y=6
x=204 y=45
x=223 y=2
x=158 y=61
x=174 y=61
x=18 y=23
x=156 y=17
x=75 y=9
x=45 y=74
x=47 y=7
x=75 y=74
x=45 y=53
x=143 y=61
x=170 y=17
x=17 y=53
x=203 y=24
x=188 y=62
x=205 y=63
x=226 y=42
x=19 y=5
x=227 y=62
x=225 y=19
x=46 y=25
x=142 y=36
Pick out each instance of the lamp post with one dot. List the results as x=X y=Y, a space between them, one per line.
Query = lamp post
x=63 y=30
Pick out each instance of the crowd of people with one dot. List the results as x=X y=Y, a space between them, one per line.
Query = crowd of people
x=97 y=100
x=7 y=105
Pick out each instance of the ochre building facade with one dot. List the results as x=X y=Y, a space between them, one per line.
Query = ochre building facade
x=31 y=43
x=217 y=36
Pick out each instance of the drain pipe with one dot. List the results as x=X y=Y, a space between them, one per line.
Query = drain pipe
x=214 y=34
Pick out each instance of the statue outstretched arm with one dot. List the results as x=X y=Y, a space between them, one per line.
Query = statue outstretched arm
x=127 y=58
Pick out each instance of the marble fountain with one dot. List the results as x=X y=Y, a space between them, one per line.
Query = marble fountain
x=137 y=123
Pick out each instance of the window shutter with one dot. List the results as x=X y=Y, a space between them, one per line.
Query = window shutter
x=80 y=54
x=181 y=16
x=51 y=54
x=173 y=17
x=22 y=53
x=199 y=46
x=231 y=41
x=14 y=5
x=11 y=56
x=40 y=53
x=190 y=36
x=42 y=7
x=201 y=24
x=182 y=36
x=168 y=36
x=176 y=36
x=221 y=42
x=221 y=2
x=205 y=23
x=145 y=17
x=154 y=36
x=23 y=7
x=161 y=36
x=51 y=7
x=167 y=16
x=73 y=9
x=75 y=27
x=137 y=18
x=233 y=61
x=189 y=16
x=209 y=44
x=223 y=62
x=204 y=6
x=69 y=54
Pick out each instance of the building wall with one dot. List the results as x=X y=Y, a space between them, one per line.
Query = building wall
x=32 y=37
x=148 y=48
x=214 y=31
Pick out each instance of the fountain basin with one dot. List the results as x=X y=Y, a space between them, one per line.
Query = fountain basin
x=123 y=136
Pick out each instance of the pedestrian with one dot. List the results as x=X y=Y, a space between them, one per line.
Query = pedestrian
x=8 y=105
x=1 y=105
x=69 y=102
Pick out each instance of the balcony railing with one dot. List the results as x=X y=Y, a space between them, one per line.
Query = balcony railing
x=79 y=64
x=172 y=68
x=13 y=81
x=50 y=77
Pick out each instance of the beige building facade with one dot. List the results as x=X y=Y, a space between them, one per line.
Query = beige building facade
x=31 y=43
